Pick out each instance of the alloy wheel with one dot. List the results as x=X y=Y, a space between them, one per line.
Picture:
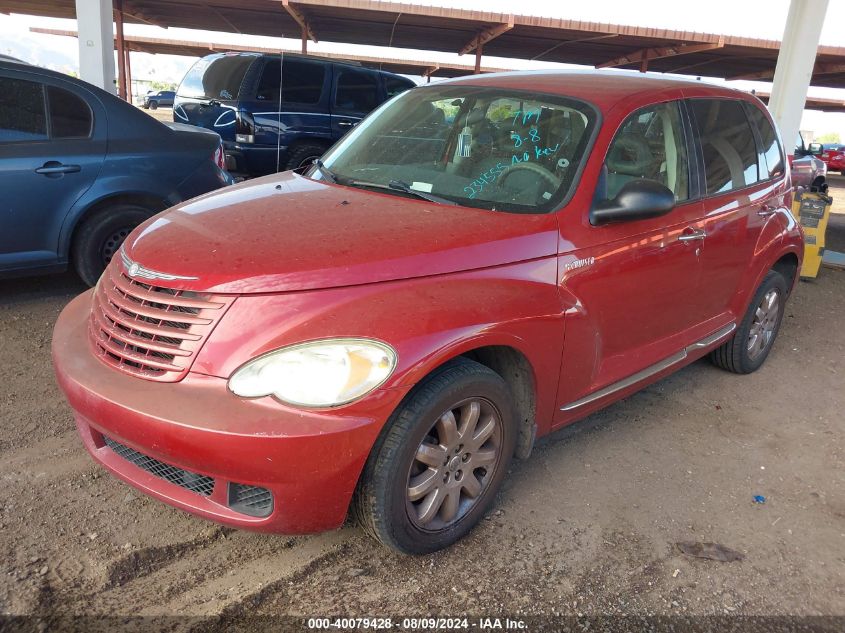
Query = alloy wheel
x=764 y=324
x=454 y=464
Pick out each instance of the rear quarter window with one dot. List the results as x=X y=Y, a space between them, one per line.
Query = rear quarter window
x=70 y=116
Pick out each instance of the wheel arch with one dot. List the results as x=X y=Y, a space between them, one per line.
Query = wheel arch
x=788 y=265
x=508 y=360
x=141 y=198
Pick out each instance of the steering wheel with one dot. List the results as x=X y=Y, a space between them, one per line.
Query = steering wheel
x=630 y=154
x=533 y=168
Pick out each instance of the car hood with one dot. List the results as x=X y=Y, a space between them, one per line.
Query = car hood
x=286 y=232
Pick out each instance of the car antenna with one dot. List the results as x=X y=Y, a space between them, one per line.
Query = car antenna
x=279 y=113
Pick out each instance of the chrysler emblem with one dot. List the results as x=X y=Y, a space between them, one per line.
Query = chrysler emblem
x=135 y=270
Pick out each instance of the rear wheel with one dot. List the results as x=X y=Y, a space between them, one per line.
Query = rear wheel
x=442 y=461
x=302 y=156
x=750 y=345
x=99 y=238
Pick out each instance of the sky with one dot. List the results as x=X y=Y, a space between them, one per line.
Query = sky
x=748 y=18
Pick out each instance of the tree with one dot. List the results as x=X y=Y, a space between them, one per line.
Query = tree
x=828 y=137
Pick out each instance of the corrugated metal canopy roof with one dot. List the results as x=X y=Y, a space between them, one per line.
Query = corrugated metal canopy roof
x=372 y=22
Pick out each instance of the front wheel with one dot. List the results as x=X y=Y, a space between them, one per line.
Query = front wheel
x=441 y=462
x=750 y=345
x=153 y=105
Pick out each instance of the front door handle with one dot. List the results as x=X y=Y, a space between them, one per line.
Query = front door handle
x=53 y=167
x=346 y=123
x=765 y=211
x=691 y=235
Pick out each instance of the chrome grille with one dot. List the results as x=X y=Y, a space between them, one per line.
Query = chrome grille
x=150 y=331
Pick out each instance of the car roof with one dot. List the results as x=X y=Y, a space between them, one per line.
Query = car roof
x=327 y=60
x=601 y=87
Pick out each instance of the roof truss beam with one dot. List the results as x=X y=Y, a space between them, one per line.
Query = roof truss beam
x=821 y=68
x=131 y=11
x=300 y=18
x=644 y=55
x=487 y=35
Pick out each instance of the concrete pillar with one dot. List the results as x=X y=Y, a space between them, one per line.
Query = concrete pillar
x=794 y=69
x=96 y=42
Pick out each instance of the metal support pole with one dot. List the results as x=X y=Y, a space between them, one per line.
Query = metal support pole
x=304 y=40
x=129 y=74
x=121 y=50
x=478 y=55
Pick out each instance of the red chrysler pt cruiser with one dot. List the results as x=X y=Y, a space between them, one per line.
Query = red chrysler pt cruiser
x=476 y=264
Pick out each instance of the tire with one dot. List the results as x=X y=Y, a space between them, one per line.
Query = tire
x=303 y=155
x=153 y=105
x=100 y=236
x=383 y=505
x=750 y=345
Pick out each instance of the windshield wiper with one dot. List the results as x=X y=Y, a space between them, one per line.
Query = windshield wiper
x=406 y=188
x=328 y=172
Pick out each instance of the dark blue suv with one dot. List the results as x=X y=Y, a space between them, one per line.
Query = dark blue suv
x=278 y=112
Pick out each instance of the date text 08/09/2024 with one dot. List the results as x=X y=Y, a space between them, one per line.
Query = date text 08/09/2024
x=416 y=624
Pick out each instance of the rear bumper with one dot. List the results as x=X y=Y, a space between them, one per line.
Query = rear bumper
x=310 y=461
x=254 y=159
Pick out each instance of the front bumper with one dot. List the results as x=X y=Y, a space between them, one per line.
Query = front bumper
x=309 y=460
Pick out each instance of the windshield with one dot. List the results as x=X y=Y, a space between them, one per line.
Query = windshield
x=479 y=147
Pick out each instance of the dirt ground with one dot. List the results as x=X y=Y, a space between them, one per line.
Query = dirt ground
x=587 y=525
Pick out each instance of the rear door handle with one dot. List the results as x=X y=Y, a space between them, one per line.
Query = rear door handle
x=765 y=211
x=690 y=235
x=55 y=167
x=347 y=123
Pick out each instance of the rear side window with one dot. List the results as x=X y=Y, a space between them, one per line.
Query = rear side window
x=218 y=78
x=770 y=159
x=302 y=81
x=70 y=116
x=22 y=116
x=394 y=85
x=650 y=145
x=727 y=144
x=357 y=90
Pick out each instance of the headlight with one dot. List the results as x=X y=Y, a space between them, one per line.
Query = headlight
x=323 y=373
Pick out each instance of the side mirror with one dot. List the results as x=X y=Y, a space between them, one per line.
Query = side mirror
x=637 y=200
x=815 y=148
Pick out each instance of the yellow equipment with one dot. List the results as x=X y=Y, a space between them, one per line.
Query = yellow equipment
x=813 y=211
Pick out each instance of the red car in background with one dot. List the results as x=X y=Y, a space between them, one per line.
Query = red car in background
x=833 y=155
x=476 y=264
